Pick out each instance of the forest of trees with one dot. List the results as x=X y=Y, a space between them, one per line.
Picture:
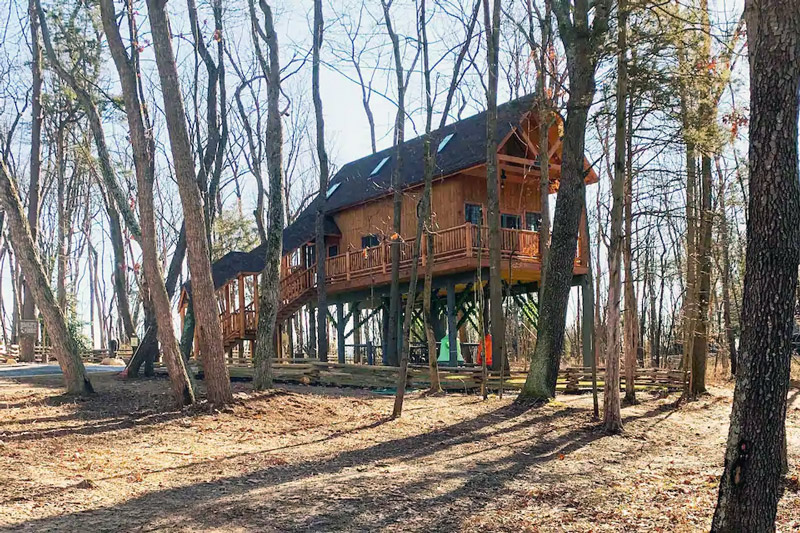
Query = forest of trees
x=141 y=140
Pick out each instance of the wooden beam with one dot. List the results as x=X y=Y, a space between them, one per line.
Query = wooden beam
x=451 y=324
x=340 y=323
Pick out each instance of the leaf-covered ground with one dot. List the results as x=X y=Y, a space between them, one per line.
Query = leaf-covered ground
x=310 y=459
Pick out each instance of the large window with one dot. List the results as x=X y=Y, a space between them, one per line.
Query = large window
x=532 y=221
x=369 y=241
x=509 y=221
x=473 y=213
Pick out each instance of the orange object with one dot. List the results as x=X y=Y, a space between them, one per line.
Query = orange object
x=488 y=343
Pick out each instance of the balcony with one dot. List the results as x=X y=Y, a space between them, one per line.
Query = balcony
x=454 y=250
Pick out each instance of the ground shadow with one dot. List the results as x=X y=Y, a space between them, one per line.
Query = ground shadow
x=296 y=504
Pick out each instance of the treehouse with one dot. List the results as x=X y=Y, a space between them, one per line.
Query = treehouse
x=358 y=214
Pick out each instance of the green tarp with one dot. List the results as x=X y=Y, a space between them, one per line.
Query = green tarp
x=444 y=350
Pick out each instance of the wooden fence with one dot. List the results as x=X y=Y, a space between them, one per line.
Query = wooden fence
x=571 y=380
x=43 y=354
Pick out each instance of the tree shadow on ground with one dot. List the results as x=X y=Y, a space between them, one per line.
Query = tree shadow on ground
x=291 y=498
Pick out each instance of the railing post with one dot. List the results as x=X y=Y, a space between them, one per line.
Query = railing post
x=468 y=238
x=347 y=265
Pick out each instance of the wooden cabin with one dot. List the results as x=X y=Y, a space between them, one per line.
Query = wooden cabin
x=358 y=226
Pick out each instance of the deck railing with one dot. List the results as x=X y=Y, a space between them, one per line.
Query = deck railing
x=467 y=240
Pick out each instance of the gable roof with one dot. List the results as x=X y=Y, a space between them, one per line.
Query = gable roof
x=231 y=265
x=356 y=184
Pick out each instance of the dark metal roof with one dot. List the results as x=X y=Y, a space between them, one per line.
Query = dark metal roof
x=467 y=148
x=231 y=265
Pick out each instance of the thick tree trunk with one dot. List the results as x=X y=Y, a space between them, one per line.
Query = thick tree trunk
x=28 y=342
x=159 y=311
x=269 y=292
x=322 y=157
x=750 y=483
x=65 y=347
x=558 y=268
x=209 y=328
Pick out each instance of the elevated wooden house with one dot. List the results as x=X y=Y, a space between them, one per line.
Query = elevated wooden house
x=358 y=223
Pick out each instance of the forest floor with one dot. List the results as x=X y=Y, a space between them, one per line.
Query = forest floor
x=315 y=459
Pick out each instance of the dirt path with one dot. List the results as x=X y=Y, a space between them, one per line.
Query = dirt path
x=308 y=459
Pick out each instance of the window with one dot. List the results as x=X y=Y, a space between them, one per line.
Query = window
x=444 y=142
x=332 y=189
x=473 y=213
x=370 y=241
x=532 y=221
x=379 y=166
x=509 y=221
x=333 y=250
x=310 y=255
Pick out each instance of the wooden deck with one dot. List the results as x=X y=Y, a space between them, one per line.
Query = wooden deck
x=457 y=249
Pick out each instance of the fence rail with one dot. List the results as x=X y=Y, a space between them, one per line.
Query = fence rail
x=43 y=354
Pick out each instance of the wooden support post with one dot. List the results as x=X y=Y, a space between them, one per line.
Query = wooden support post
x=468 y=238
x=240 y=284
x=356 y=331
x=384 y=330
x=340 y=323
x=279 y=341
x=289 y=337
x=452 y=336
x=587 y=324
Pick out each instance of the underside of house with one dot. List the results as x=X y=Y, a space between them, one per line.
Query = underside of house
x=358 y=216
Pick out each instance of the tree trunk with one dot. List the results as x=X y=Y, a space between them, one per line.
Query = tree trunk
x=492 y=23
x=700 y=343
x=612 y=418
x=750 y=483
x=269 y=292
x=159 y=311
x=65 y=347
x=724 y=240
x=120 y=269
x=322 y=157
x=209 y=328
x=630 y=322
x=581 y=49
x=397 y=194
x=28 y=342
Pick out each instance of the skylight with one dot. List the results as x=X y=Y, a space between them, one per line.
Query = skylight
x=332 y=189
x=379 y=166
x=444 y=142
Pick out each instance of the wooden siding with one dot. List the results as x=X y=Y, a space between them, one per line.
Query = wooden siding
x=449 y=196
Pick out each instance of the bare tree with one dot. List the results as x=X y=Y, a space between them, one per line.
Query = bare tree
x=322 y=157
x=612 y=418
x=269 y=294
x=27 y=341
x=65 y=347
x=583 y=42
x=143 y=145
x=209 y=329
